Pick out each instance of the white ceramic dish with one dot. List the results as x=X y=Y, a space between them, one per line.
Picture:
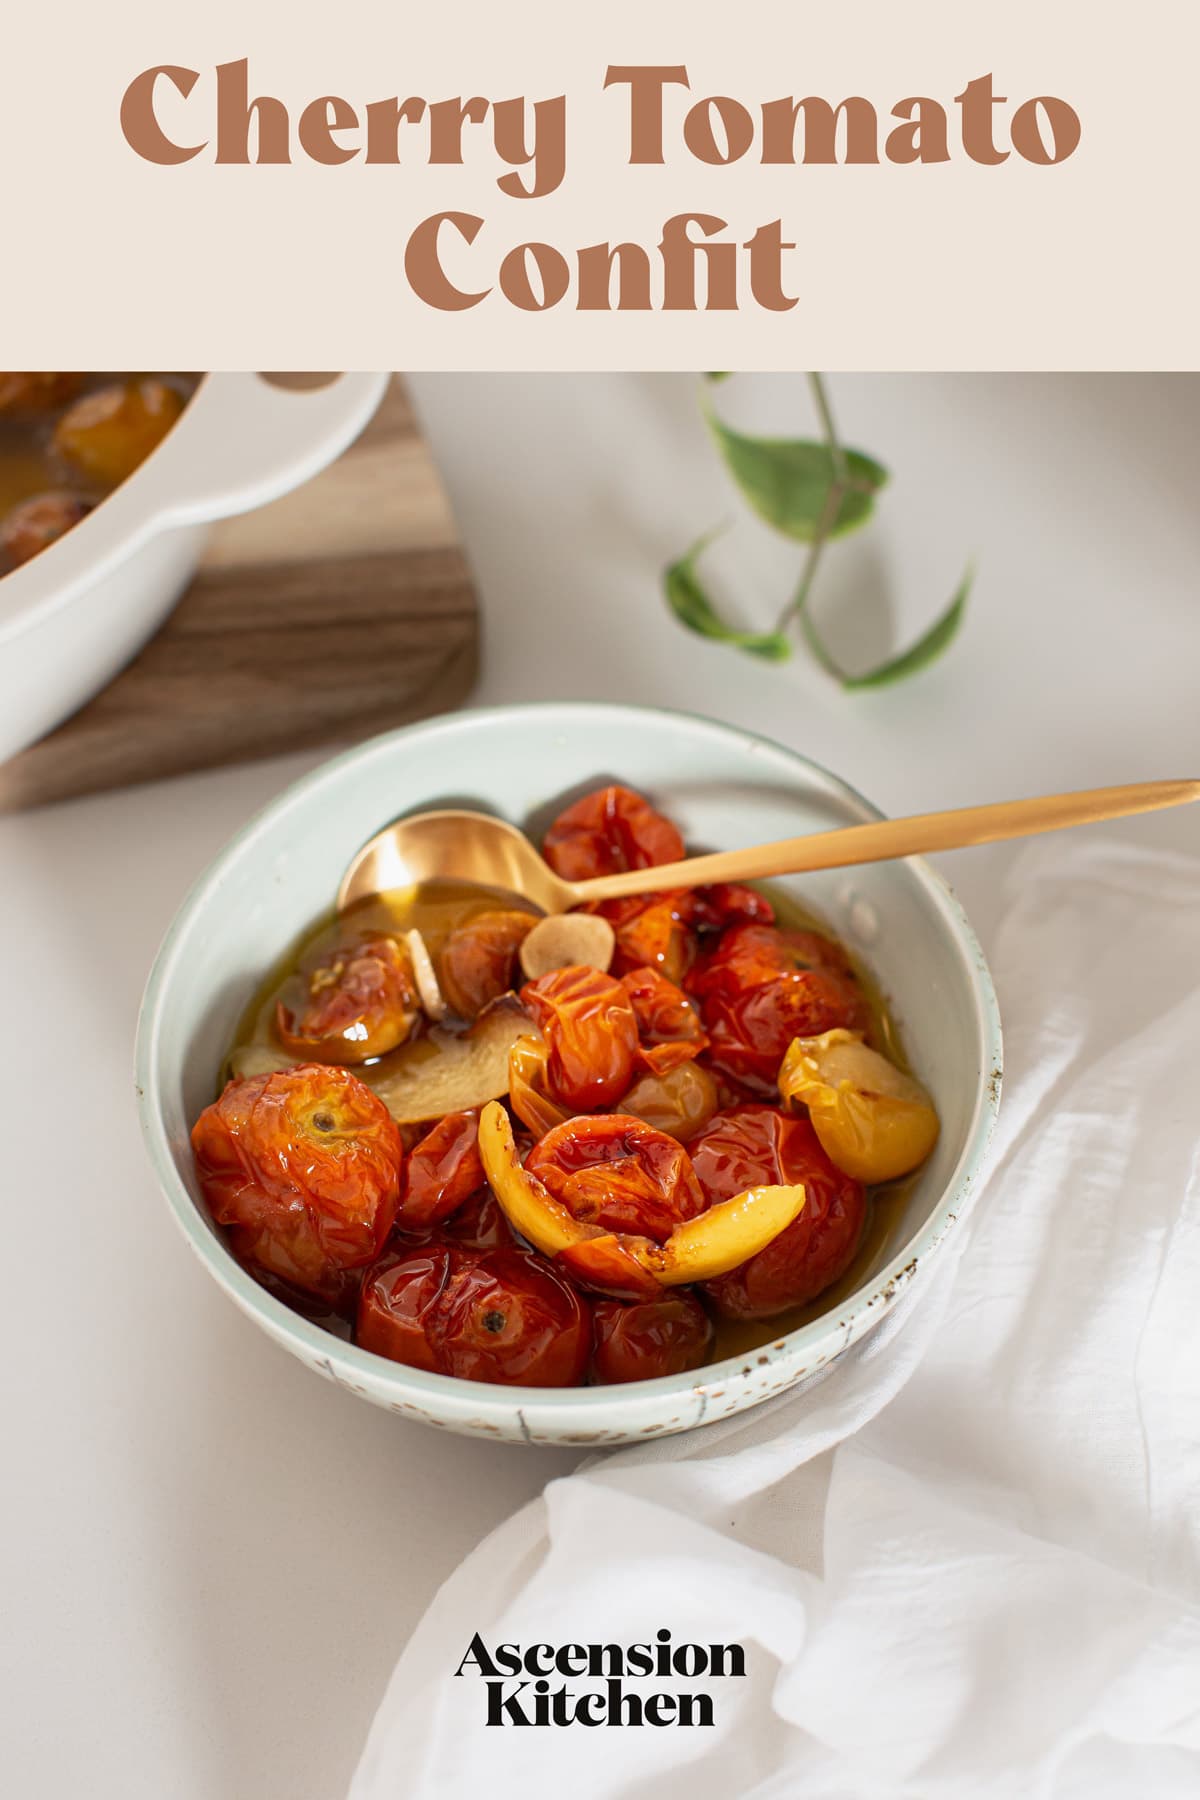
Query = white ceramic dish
x=725 y=789
x=75 y=614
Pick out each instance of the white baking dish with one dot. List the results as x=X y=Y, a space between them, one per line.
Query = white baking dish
x=75 y=614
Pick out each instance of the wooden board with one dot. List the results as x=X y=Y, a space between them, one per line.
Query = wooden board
x=340 y=610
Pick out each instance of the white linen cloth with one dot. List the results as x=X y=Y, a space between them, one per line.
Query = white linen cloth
x=967 y=1564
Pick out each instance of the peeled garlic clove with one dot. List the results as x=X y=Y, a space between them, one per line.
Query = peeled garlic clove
x=872 y=1120
x=450 y=1071
x=567 y=940
x=425 y=976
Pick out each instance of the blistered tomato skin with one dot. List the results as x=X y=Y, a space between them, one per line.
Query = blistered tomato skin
x=653 y=931
x=443 y=1171
x=608 y=832
x=614 y=1171
x=479 y=959
x=669 y=1027
x=590 y=1027
x=397 y=1298
x=761 y=987
x=303 y=1168
x=359 y=1002
x=648 y=1338
x=755 y=1145
x=501 y=1316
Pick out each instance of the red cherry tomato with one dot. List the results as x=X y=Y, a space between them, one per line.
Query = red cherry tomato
x=358 y=1002
x=653 y=931
x=479 y=959
x=613 y=1170
x=590 y=1027
x=443 y=1170
x=303 y=1168
x=648 y=1338
x=761 y=987
x=669 y=1026
x=729 y=903
x=607 y=832
x=480 y=1223
x=498 y=1316
x=757 y=1146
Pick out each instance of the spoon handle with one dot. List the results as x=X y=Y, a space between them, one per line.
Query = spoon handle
x=883 y=839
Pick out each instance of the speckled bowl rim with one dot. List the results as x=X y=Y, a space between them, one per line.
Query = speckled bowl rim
x=614 y=1413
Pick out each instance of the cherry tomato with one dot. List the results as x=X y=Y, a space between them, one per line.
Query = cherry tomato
x=35 y=524
x=648 y=1338
x=498 y=1316
x=607 y=832
x=480 y=1224
x=360 y=1001
x=679 y=1102
x=303 y=1168
x=729 y=903
x=759 y=1146
x=591 y=1030
x=653 y=931
x=479 y=959
x=615 y=1171
x=37 y=393
x=106 y=434
x=669 y=1027
x=442 y=1171
x=529 y=1087
x=761 y=987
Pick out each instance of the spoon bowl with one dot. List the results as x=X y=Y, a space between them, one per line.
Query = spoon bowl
x=453 y=846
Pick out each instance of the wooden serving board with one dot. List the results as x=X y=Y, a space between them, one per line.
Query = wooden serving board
x=342 y=609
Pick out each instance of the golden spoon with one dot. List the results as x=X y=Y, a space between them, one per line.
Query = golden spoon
x=471 y=846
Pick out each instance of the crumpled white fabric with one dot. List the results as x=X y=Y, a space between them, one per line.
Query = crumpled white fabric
x=967 y=1563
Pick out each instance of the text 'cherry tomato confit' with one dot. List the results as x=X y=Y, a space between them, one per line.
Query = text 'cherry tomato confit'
x=545 y=1157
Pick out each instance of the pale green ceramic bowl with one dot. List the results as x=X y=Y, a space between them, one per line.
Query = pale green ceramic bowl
x=725 y=789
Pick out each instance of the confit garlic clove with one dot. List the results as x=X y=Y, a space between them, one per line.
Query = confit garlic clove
x=568 y=940
x=874 y=1122
x=425 y=976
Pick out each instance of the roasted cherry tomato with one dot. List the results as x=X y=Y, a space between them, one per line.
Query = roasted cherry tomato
x=479 y=959
x=761 y=987
x=529 y=1093
x=757 y=1146
x=589 y=1024
x=653 y=931
x=669 y=1028
x=607 y=832
x=615 y=1171
x=37 y=393
x=443 y=1170
x=106 y=434
x=499 y=1316
x=636 y=1342
x=303 y=1168
x=679 y=1102
x=729 y=903
x=360 y=1001
x=479 y=1224
x=35 y=524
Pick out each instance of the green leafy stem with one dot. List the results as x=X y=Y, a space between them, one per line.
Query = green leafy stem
x=811 y=492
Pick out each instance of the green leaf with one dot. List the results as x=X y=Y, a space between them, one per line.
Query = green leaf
x=927 y=649
x=692 y=606
x=787 y=481
x=717 y=374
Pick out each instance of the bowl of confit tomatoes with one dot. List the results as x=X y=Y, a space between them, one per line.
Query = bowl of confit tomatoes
x=580 y=1181
x=109 y=486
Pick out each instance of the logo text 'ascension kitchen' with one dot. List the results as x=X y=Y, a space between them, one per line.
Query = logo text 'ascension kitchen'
x=522 y=1689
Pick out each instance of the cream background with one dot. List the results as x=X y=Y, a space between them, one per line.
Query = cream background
x=1091 y=264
